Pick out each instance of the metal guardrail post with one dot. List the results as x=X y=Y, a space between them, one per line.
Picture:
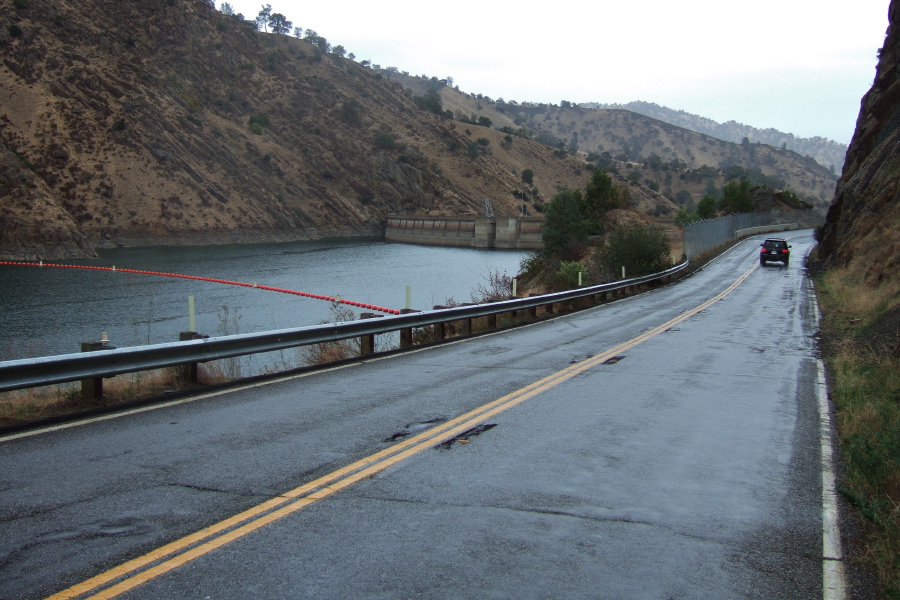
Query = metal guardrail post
x=187 y=373
x=367 y=342
x=92 y=387
x=406 y=333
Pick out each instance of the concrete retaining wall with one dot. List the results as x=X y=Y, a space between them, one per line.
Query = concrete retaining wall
x=765 y=229
x=522 y=233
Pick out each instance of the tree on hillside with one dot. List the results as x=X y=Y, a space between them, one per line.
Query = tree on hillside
x=707 y=207
x=684 y=217
x=339 y=51
x=641 y=249
x=528 y=176
x=226 y=9
x=711 y=189
x=573 y=216
x=602 y=195
x=262 y=19
x=317 y=40
x=298 y=32
x=564 y=223
x=736 y=197
x=431 y=102
x=279 y=23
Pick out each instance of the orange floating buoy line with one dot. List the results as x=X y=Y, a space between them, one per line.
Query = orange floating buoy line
x=389 y=311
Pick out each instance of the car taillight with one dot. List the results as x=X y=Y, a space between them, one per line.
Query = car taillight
x=763 y=250
x=784 y=251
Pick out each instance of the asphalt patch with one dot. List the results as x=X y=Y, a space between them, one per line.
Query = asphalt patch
x=413 y=429
x=464 y=437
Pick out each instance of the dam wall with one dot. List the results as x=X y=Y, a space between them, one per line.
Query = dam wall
x=521 y=233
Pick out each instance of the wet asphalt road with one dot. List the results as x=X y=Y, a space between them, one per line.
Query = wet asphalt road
x=689 y=468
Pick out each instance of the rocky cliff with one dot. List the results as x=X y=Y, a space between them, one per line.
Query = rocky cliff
x=862 y=229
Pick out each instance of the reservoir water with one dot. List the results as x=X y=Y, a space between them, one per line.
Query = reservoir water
x=49 y=311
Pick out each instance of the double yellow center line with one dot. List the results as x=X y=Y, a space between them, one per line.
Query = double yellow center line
x=153 y=564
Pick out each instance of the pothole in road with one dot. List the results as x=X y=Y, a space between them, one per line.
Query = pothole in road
x=613 y=360
x=465 y=436
x=414 y=428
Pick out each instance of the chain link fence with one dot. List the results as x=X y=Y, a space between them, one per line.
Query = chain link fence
x=703 y=236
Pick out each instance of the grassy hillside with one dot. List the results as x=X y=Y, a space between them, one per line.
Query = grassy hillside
x=828 y=153
x=169 y=122
x=679 y=163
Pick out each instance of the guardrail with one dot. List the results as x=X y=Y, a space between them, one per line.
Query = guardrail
x=49 y=370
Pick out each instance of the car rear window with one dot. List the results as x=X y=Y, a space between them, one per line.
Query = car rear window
x=775 y=245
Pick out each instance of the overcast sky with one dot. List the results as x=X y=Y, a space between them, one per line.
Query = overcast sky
x=800 y=66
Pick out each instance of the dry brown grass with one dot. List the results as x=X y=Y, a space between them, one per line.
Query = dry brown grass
x=326 y=352
x=866 y=394
x=849 y=298
x=25 y=406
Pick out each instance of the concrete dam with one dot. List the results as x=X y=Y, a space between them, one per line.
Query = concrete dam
x=522 y=233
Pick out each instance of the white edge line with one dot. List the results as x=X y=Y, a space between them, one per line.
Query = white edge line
x=833 y=579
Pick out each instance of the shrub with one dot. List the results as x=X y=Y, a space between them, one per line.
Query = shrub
x=531 y=266
x=317 y=354
x=256 y=128
x=497 y=287
x=641 y=249
x=568 y=274
x=430 y=102
x=352 y=112
x=260 y=119
x=385 y=141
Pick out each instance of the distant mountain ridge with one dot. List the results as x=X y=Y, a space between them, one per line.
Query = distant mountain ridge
x=828 y=153
x=679 y=163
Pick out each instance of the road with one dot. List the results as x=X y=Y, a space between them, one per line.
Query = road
x=634 y=450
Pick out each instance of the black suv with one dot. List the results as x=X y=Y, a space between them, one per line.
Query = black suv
x=774 y=249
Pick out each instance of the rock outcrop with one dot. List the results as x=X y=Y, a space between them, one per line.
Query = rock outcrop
x=862 y=229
